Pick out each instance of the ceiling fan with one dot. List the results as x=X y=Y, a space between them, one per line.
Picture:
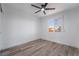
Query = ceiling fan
x=1 y=8
x=42 y=8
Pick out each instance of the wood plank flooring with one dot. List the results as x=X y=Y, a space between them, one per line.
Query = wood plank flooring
x=41 y=48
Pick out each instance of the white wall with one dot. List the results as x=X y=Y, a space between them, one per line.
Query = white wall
x=0 y=31
x=18 y=31
x=18 y=28
x=70 y=36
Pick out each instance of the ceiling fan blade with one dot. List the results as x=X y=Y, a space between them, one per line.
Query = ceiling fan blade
x=37 y=11
x=44 y=12
x=45 y=5
x=35 y=6
x=1 y=8
x=49 y=8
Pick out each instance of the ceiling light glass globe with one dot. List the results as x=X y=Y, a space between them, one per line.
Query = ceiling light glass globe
x=42 y=9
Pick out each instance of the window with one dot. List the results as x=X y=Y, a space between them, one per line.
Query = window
x=55 y=25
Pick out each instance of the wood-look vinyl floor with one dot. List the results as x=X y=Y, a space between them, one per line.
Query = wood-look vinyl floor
x=41 y=48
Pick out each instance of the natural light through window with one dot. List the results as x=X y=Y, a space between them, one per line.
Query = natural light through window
x=55 y=25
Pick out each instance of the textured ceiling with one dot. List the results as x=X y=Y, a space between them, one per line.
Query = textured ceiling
x=59 y=7
x=26 y=8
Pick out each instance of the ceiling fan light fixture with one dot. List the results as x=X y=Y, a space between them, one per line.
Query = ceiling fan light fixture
x=42 y=9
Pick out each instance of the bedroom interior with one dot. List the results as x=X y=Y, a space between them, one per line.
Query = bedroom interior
x=39 y=29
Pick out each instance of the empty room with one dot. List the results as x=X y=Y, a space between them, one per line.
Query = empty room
x=39 y=29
